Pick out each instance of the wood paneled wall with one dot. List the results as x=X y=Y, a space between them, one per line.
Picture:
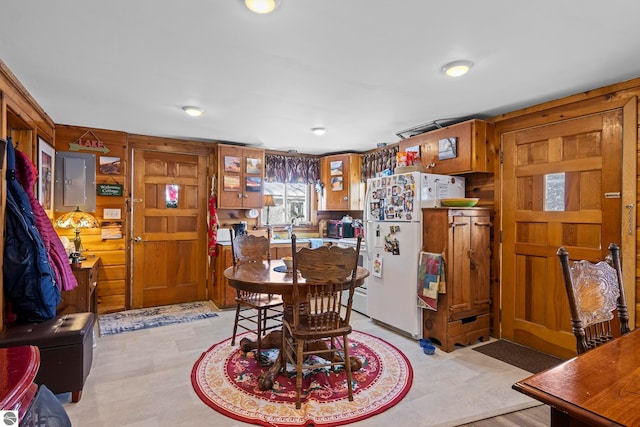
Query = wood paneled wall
x=112 y=271
x=22 y=119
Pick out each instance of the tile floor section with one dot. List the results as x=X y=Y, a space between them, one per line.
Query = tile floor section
x=143 y=379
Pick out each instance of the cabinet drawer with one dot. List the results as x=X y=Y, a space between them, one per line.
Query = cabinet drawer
x=470 y=324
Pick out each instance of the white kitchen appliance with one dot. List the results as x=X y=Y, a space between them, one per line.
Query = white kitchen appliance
x=359 y=303
x=393 y=239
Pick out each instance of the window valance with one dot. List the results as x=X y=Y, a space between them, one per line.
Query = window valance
x=291 y=169
x=377 y=161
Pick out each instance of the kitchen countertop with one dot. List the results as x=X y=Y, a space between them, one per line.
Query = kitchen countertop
x=288 y=241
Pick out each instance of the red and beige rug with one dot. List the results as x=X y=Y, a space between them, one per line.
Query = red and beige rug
x=226 y=379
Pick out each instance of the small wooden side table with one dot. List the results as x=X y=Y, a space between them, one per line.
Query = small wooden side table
x=84 y=297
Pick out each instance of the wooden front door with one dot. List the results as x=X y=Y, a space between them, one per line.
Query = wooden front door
x=169 y=203
x=562 y=186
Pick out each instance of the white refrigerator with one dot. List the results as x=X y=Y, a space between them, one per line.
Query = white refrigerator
x=393 y=238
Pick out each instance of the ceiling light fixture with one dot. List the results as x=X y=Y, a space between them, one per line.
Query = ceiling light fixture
x=262 y=6
x=193 y=111
x=457 y=68
x=319 y=131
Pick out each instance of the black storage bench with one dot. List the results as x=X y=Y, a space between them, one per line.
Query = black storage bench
x=66 y=350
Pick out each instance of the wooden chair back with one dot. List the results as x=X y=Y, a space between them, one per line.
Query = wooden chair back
x=595 y=291
x=248 y=248
x=327 y=272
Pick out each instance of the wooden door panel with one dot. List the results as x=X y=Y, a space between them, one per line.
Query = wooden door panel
x=555 y=181
x=169 y=256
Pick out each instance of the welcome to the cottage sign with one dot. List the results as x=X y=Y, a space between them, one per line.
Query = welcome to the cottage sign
x=110 y=189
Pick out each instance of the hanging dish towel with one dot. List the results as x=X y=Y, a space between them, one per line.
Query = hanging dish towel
x=316 y=243
x=430 y=280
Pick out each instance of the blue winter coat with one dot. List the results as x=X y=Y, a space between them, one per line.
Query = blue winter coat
x=29 y=279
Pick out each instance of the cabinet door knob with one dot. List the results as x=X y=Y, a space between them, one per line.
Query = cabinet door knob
x=345 y=198
x=239 y=195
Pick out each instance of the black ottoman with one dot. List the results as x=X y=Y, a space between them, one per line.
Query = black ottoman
x=66 y=350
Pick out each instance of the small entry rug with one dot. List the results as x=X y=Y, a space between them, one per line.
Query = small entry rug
x=226 y=379
x=152 y=317
x=518 y=355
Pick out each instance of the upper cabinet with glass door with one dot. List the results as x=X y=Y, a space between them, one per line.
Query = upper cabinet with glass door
x=460 y=148
x=342 y=185
x=240 y=177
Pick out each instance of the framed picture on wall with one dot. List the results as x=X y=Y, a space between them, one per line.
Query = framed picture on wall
x=46 y=162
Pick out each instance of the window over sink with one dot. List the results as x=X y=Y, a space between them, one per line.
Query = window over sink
x=291 y=203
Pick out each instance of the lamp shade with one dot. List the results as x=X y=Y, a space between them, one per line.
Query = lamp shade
x=268 y=200
x=77 y=219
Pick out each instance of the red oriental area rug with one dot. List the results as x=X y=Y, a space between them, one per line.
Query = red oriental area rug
x=226 y=379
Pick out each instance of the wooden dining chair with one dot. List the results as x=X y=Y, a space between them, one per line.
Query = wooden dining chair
x=317 y=313
x=594 y=291
x=255 y=312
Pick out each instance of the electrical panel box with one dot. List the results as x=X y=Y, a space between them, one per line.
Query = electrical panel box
x=75 y=182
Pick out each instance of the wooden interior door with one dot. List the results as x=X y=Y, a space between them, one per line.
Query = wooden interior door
x=562 y=186
x=169 y=228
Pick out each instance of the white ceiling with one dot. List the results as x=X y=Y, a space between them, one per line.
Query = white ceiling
x=365 y=69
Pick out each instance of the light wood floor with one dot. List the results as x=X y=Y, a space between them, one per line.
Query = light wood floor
x=538 y=416
x=143 y=379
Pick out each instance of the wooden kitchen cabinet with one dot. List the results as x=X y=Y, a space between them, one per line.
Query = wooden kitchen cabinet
x=224 y=296
x=460 y=148
x=84 y=297
x=463 y=237
x=341 y=177
x=241 y=177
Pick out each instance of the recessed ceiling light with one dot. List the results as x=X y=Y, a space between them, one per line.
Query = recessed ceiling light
x=319 y=131
x=262 y=6
x=193 y=111
x=457 y=68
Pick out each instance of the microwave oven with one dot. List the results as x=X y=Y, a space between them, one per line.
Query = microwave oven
x=342 y=230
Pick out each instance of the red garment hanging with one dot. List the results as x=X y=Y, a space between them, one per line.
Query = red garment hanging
x=213 y=225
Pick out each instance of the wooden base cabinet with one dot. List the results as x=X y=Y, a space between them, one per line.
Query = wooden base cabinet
x=224 y=296
x=463 y=236
x=84 y=297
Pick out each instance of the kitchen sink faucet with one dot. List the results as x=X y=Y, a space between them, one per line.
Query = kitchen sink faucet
x=289 y=229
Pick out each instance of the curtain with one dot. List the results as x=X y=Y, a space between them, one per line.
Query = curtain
x=377 y=161
x=291 y=169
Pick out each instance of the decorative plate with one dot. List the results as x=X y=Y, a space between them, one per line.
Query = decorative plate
x=252 y=213
x=460 y=203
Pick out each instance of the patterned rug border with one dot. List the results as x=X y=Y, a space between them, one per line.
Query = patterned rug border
x=153 y=317
x=277 y=421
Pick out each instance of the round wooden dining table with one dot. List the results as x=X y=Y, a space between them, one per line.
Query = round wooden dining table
x=270 y=277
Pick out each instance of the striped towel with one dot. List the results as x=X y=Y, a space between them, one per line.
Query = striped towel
x=430 y=280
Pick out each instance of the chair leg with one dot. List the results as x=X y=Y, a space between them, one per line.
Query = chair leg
x=259 y=349
x=235 y=325
x=347 y=366
x=299 y=354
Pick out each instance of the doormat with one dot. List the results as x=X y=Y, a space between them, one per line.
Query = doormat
x=152 y=317
x=518 y=355
x=225 y=379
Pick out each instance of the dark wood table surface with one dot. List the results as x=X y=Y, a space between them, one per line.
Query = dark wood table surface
x=598 y=388
x=261 y=277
